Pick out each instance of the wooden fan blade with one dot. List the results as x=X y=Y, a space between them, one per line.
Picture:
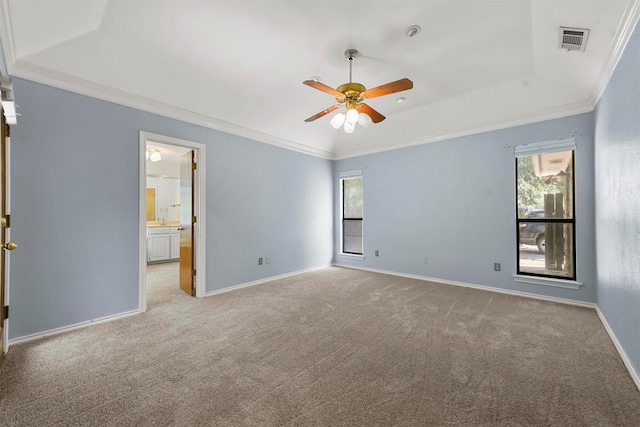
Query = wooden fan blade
x=317 y=85
x=375 y=116
x=323 y=113
x=393 y=87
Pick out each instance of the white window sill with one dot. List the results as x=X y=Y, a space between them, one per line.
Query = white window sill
x=353 y=256
x=547 y=281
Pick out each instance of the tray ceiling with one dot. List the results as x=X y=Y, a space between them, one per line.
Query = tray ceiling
x=238 y=66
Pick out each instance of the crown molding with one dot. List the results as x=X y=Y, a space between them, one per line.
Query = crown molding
x=38 y=74
x=74 y=84
x=508 y=122
x=625 y=30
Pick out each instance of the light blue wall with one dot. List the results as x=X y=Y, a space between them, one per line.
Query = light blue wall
x=617 y=169
x=454 y=202
x=75 y=208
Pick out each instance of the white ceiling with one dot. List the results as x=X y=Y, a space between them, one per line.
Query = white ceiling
x=238 y=66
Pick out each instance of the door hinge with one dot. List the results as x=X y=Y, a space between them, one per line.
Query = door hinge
x=5 y=314
x=193 y=272
x=194 y=166
x=6 y=221
x=195 y=219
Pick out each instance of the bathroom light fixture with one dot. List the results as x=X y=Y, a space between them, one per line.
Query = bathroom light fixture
x=153 y=154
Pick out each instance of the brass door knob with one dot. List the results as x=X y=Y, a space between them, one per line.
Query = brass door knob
x=180 y=228
x=9 y=246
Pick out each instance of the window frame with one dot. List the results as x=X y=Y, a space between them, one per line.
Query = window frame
x=343 y=177
x=547 y=147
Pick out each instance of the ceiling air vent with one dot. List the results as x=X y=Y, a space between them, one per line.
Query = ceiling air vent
x=573 y=38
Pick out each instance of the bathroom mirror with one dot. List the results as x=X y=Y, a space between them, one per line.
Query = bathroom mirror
x=166 y=199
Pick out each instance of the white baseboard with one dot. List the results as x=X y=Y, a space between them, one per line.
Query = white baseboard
x=481 y=287
x=261 y=281
x=63 y=329
x=623 y=355
x=625 y=359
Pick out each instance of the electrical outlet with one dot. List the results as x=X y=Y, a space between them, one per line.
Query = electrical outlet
x=425 y=260
x=267 y=260
x=260 y=261
x=496 y=266
x=377 y=253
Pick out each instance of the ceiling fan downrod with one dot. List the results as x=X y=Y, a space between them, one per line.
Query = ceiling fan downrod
x=350 y=54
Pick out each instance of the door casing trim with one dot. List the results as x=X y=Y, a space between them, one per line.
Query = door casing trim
x=7 y=237
x=199 y=197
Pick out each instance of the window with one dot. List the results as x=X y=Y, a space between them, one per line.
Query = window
x=352 y=215
x=545 y=209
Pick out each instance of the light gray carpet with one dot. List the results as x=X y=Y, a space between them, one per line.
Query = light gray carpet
x=331 y=347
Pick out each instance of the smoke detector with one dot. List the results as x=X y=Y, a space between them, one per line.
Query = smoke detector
x=412 y=30
x=573 y=38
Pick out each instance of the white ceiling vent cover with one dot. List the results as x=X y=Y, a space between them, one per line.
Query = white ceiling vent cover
x=573 y=38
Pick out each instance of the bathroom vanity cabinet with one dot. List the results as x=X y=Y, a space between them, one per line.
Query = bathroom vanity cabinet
x=163 y=244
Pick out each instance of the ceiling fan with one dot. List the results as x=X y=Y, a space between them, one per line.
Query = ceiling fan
x=352 y=95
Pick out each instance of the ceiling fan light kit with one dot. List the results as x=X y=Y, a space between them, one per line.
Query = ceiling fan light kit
x=337 y=120
x=349 y=127
x=364 y=120
x=352 y=96
x=352 y=115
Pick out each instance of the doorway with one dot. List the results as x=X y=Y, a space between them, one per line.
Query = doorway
x=166 y=212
